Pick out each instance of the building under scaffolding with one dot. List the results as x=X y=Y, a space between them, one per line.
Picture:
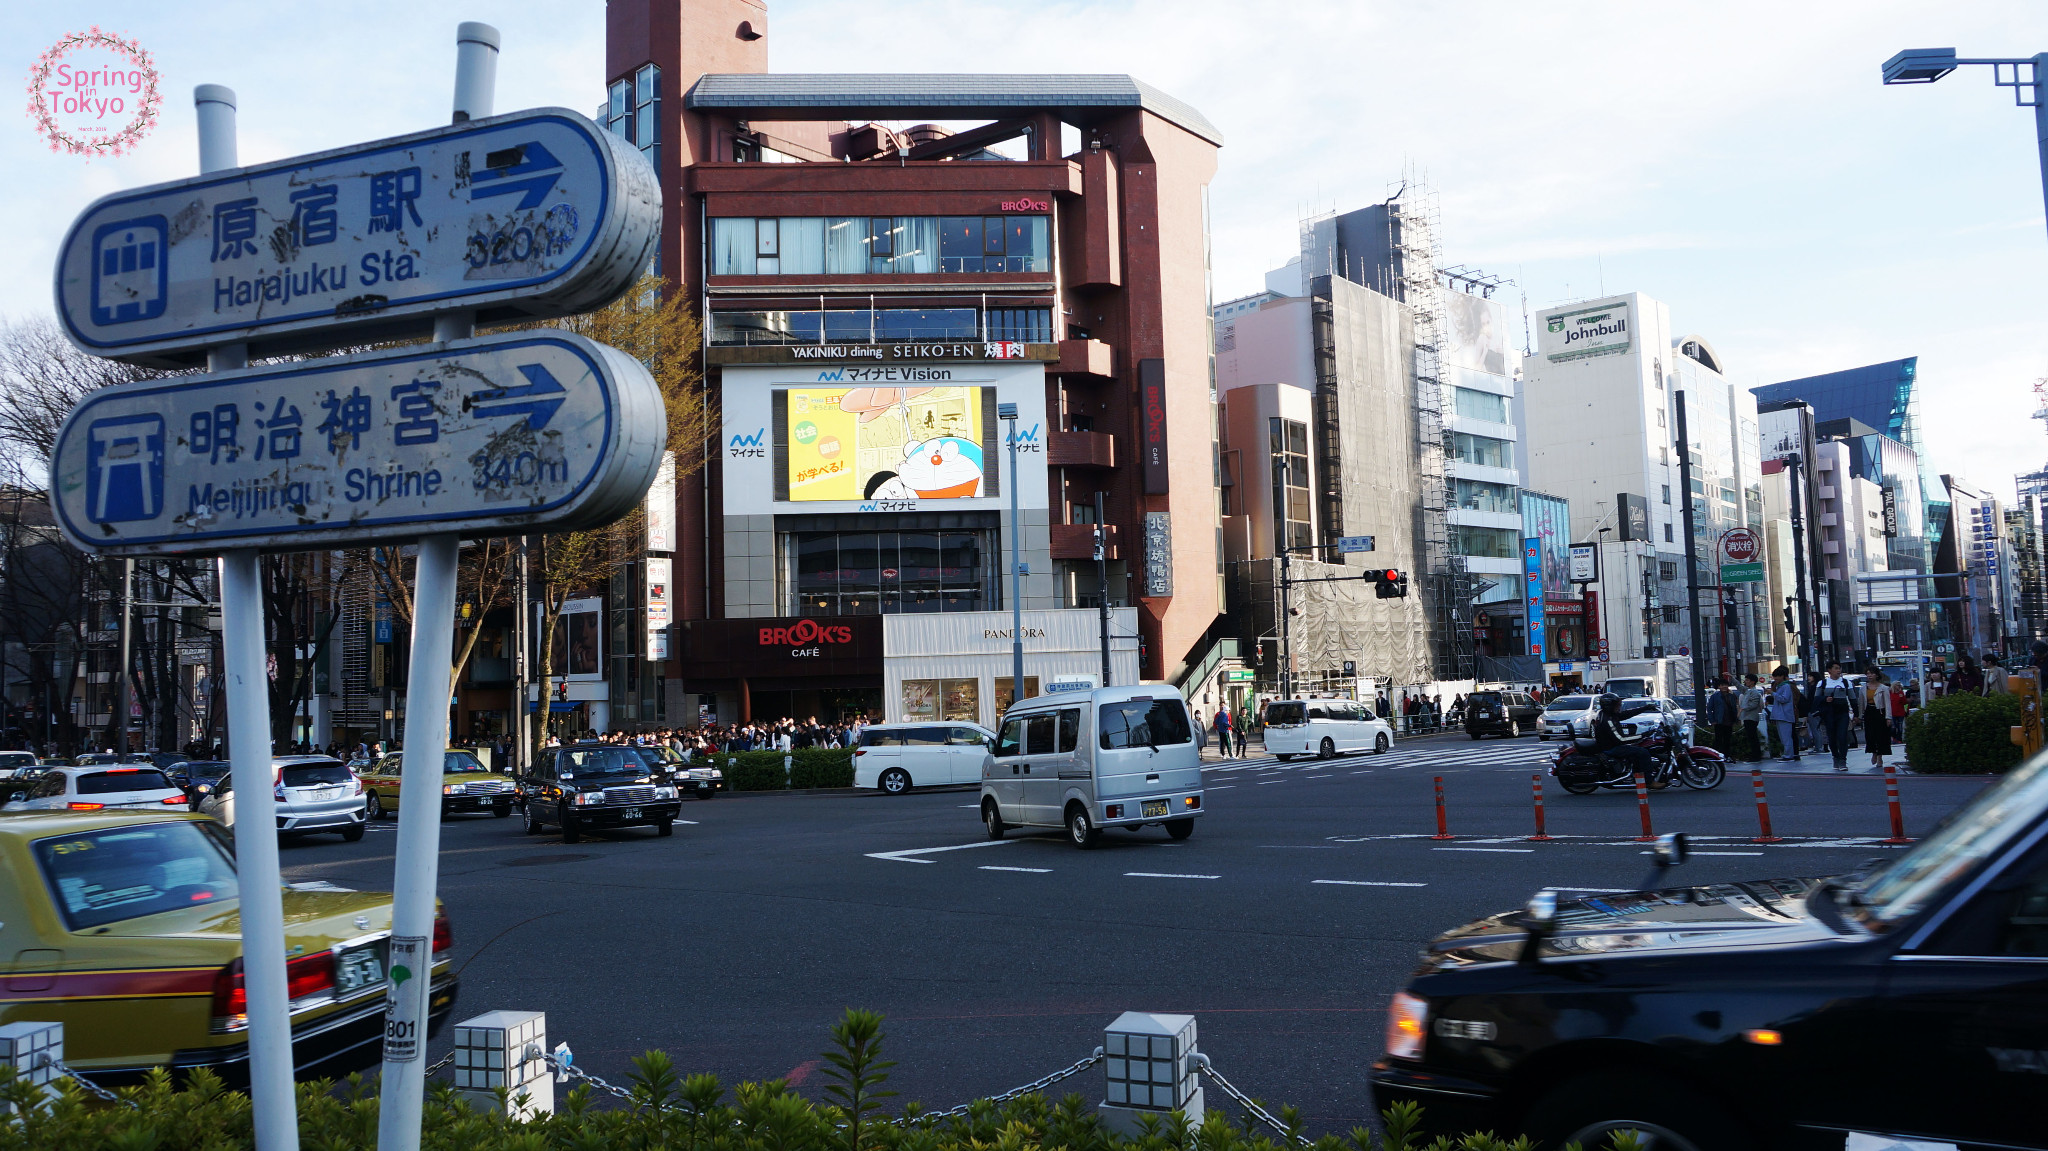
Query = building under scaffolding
x=1398 y=372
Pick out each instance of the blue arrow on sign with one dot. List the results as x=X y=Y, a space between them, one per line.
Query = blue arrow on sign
x=542 y=392
x=531 y=161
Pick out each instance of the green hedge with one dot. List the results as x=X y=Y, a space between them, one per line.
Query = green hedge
x=1742 y=746
x=667 y=1110
x=1964 y=734
x=810 y=767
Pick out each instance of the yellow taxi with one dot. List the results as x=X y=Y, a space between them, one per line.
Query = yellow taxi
x=466 y=785
x=126 y=928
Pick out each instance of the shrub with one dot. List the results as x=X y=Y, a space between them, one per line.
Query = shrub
x=809 y=767
x=1964 y=734
x=822 y=767
x=674 y=1111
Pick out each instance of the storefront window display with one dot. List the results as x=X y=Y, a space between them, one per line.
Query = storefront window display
x=869 y=573
x=956 y=700
x=1004 y=697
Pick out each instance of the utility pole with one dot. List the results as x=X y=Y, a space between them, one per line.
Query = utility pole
x=522 y=624
x=1008 y=414
x=124 y=702
x=1692 y=563
x=1102 y=582
x=1286 y=571
x=1809 y=651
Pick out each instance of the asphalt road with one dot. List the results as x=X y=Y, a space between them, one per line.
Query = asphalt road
x=1283 y=925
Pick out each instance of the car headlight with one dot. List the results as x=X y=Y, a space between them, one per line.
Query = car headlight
x=664 y=793
x=451 y=789
x=1407 y=1025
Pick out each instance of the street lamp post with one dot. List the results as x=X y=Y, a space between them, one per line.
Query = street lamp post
x=1926 y=65
x=1008 y=414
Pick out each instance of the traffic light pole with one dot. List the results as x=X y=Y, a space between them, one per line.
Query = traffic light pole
x=1809 y=653
x=1692 y=563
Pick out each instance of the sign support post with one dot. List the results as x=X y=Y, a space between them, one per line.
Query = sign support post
x=1008 y=414
x=272 y=1087
x=417 y=867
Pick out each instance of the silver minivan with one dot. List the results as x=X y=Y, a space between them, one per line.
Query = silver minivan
x=1083 y=761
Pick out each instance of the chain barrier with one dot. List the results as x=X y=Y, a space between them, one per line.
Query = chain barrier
x=1028 y=1088
x=445 y=1061
x=568 y=1070
x=87 y=1085
x=1245 y=1101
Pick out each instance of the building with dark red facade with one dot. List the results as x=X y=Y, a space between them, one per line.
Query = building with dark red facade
x=878 y=281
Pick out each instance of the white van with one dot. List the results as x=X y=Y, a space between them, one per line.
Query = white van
x=895 y=757
x=1324 y=728
x=1111 y=757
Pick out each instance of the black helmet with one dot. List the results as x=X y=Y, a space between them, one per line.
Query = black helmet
x=1610 y=702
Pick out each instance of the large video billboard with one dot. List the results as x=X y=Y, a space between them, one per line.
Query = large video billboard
x=885 y=443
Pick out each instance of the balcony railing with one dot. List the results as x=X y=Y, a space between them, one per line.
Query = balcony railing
x=1080 y=450
x=1077 y=542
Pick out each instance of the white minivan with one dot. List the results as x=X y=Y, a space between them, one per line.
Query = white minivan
x=895 y=757
x=1083 y=761
x=1324 y=728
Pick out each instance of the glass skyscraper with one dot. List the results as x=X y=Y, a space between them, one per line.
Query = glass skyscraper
x=1884 y=397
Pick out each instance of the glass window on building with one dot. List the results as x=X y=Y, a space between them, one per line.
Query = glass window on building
x=632 y=111
x=1478 y=405
x=862 y=326
x=1481 y=496
x=1291 y=516
x=1487 y=543
x=871 y=573
x=1483 y=450
x=942 y=700
x=891 y=245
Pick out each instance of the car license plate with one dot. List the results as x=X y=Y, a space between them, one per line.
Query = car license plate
x=359 y=968
x=630 y=813
x=328 y=793
x=1155 y=807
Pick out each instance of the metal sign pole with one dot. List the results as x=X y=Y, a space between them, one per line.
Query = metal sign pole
x=271 y=1068
x=409 y=974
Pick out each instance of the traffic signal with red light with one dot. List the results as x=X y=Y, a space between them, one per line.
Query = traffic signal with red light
x=1390 y=584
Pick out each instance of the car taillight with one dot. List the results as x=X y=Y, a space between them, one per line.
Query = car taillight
x=85 y=806
x=304 y=977
x=860 y=751
x=309 y=975
x=174 y=799
x=444 y=938
x=359 y=782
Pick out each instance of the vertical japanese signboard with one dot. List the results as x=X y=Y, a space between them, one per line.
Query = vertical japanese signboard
x=1532 y=592
x=1152 y=424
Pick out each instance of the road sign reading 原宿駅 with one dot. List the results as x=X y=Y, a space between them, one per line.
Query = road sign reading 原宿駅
x=535 y=213
x=499 y=435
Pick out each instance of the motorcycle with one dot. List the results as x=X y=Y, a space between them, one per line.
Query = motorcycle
x=1583 y=771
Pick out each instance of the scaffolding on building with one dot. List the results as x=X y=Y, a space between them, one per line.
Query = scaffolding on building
x=1412 y=239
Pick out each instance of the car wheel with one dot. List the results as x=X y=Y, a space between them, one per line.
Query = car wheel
x=1328 y=750
x=1475 y=733
x=992 y=819
x=894 y=781
x=501 y=811
x=1591 y=1109
x=1514 y=729
x=570 y=832
x=533 y=823
x=352 y=833
x=664 y=827
x=376 y=808
x=1180 y=828
x=1081 y=829
x=1381 y=744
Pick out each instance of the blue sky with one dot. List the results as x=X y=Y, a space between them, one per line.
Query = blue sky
x=1738 y=160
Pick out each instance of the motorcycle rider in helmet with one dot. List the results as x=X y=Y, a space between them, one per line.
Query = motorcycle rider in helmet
x=1609 y=741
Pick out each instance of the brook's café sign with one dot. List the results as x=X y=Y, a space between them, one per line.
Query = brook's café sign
x=534 y=213
x=806 y=638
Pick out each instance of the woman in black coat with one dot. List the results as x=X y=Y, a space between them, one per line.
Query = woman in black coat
x=1877 y=721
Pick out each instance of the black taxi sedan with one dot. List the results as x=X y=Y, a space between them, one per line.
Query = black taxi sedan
x=1906 y=1000
x=583 y=786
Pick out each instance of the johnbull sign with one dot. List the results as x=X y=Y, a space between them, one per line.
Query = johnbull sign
x=491 y=436
x=535 y=213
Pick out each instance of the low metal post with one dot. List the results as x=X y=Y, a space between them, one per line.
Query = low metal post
x=1536 y=782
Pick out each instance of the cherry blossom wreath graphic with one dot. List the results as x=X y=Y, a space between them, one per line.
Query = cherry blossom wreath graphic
x=94 y=93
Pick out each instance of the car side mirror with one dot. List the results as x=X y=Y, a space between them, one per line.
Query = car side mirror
x=1539 y=916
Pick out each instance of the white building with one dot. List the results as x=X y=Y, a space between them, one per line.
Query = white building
x=1601 y=420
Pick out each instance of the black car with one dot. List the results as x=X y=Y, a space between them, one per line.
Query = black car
x=1508 y=713
x=198 y=776
x=1907 y=1000
x=700 y=780
x=593 y=785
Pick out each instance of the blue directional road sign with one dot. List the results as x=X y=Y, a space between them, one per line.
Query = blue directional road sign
x=535 y=213
x=1349 y=545
x=511 y=433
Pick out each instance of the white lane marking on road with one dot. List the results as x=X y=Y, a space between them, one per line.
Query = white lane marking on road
x=1032 y=870
x=1300 y=846
x=1324 y=776
x=1593 y=890
x=1724 y=853
x=1271 y=782
x=905 y=856
x=1166 y=875
x=1223 y=787
x=1367 y=771
x=1366 y=883
x=1502 y=850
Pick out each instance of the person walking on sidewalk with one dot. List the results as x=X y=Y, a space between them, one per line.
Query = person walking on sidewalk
x=1720 y=716
x=1897 y=710
x=1223 y=731
x=1783 y=712
x=1835 y=698
x=1751 y=711
x=1877 y=719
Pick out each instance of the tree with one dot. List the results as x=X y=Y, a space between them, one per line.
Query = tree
x=565 y=564
x=42 y=377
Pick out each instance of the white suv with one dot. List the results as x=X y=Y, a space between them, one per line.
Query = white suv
x=96 y=788
x=314 y=793
x=897 y=756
